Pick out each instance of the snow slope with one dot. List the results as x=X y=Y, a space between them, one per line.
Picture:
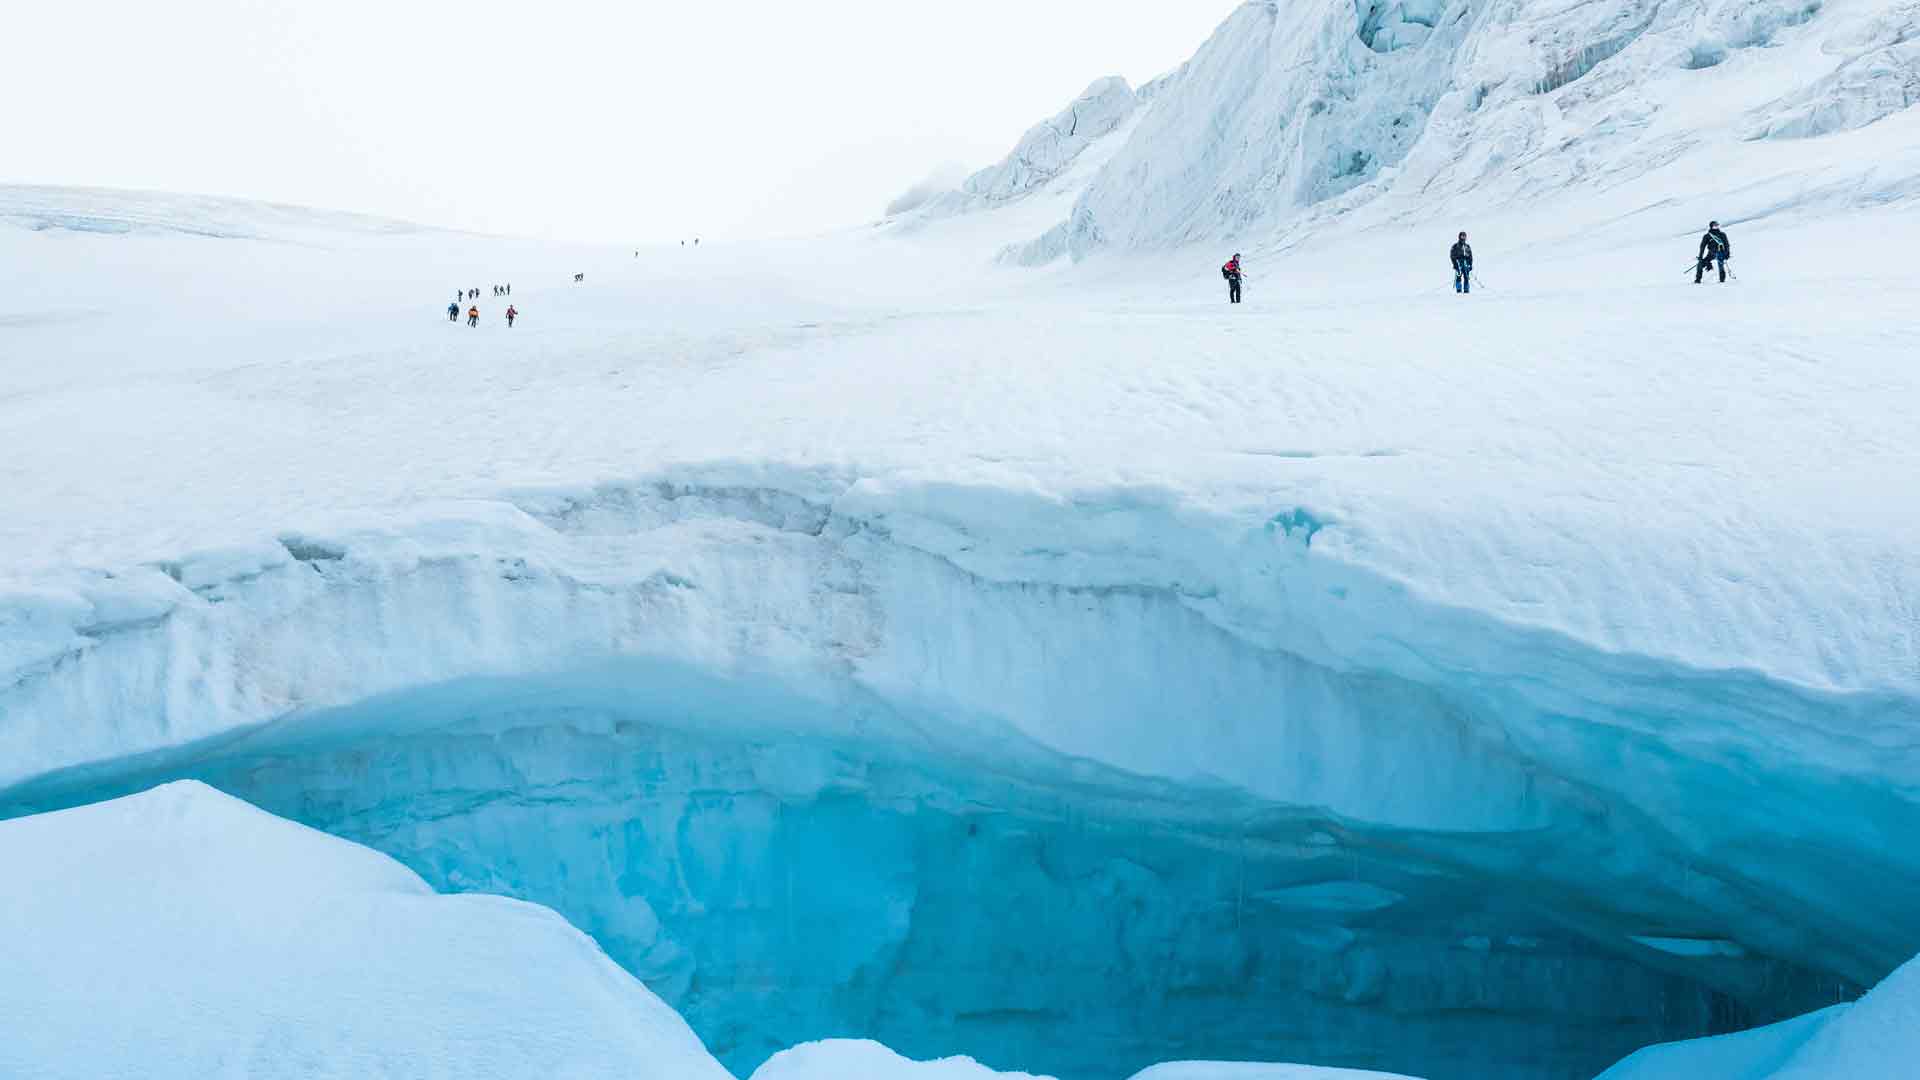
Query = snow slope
x=1877 y=1036
x=182 y=933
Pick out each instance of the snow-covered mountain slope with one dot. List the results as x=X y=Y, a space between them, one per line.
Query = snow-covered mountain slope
x=182 y=933
x=1008 y=649
x=1300 y=116
x=112 y=211
x=1030 y=190
x=1048 y=149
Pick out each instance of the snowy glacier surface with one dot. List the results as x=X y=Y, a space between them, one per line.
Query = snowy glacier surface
x=1362 y=679
x=955 y=656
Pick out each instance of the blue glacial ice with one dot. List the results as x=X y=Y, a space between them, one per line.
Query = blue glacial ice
x=806 y=774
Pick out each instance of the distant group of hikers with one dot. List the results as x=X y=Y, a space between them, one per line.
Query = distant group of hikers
x=1715 y=250
x=473 y=313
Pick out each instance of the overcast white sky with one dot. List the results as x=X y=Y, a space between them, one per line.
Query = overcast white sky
x=586 y=119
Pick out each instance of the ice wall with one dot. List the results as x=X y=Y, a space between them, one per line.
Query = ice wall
x=813 y=764
x=774 y=890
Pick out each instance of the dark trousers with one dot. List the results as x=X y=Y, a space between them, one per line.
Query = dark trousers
x=1233 y=290
x=473 y=320
x=1706 y=263
x=1462 y=277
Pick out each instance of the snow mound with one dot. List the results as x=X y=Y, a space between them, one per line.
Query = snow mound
x=1875 y=1038
x=1756 y=1054
x=181 y=933
x=860 y=1059
x=1239 y=1070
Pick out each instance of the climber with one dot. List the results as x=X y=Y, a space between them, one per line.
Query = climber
x=511 y=314
x=1231 y=272
x=473 y=314
x=1714 y=248
x=1462 y=257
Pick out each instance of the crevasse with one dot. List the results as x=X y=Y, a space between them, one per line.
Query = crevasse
x=815 y=761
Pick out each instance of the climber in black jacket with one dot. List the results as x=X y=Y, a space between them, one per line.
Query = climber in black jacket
x=1714 y=248
x=1462 y=258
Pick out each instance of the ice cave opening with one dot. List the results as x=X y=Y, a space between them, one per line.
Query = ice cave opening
x=1039 y=912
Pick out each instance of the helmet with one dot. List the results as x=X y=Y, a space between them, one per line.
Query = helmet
x=1713 y=224
x=1463 y=236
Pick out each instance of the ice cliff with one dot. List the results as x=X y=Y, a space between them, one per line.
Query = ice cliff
x=1297 y=114
x=810 y=763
